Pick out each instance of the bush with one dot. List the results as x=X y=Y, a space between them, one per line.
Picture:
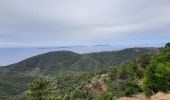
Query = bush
x=167 y=45
x=131 y=89
x=39 y=90
x=157 y=74
x=144 y=60
x=107 y=96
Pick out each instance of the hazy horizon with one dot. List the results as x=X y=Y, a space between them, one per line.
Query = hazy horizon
x=14 y=55
x=27 y=24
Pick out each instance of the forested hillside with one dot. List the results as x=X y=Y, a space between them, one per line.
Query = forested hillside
x=78 y=76
x=147 y=74
x=59 y=62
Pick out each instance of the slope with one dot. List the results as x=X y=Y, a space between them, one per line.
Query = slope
x=15 y=78
x=62 y=61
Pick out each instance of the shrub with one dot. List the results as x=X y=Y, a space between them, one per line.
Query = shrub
x=157 y=74
x=107 y=96
x=131 y=89
x=39 y=90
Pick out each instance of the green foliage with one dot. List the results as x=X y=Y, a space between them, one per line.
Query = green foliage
x=11 y=88
x=144 y=60
x=123 y=79
x=70 y=85
x=39 y=90
x=70 y=72
x=157 y=74
x=131 y=88
x=107 y=96
x=167 y=45
x=125 y=72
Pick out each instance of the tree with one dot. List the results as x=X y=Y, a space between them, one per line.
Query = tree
x=157 y=74
x=39 y=90
x=144 y=60
x=167 y=45
x=126 y=72
x=131 y=88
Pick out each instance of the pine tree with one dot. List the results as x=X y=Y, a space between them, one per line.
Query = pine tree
x=39 y=90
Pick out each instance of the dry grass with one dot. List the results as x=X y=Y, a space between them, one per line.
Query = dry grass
x=158 y=96
x=161 y=96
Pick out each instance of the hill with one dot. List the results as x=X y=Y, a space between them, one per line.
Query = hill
x=62 y=61
x=13 y=86
x=65 y=69
x=125 y=79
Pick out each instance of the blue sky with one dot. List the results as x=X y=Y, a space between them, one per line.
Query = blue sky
x=34 y=23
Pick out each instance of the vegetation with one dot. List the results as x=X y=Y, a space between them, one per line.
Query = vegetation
x=71 y=76
x=106 y=96
x=108 y=84
x=39 y=90
x=13 y=87
x=114 y=82
x=157 y=75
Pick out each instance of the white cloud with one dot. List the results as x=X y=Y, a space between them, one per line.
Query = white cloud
x=62 y=22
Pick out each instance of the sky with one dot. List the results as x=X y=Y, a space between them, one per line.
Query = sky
x=37 y=23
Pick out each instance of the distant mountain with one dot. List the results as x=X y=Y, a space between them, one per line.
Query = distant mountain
x=62 y=61
x=103 y=45
x=61 y=47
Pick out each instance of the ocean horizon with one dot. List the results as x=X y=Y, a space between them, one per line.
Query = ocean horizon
x=16 y=54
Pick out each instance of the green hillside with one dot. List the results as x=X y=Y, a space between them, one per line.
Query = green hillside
x=59 y=62
x=145 y=74
x=111 y=83
x=71 y=75
x=13 y=86
x=114 y=82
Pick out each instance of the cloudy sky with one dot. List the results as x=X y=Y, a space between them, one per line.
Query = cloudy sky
x=32 y=23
